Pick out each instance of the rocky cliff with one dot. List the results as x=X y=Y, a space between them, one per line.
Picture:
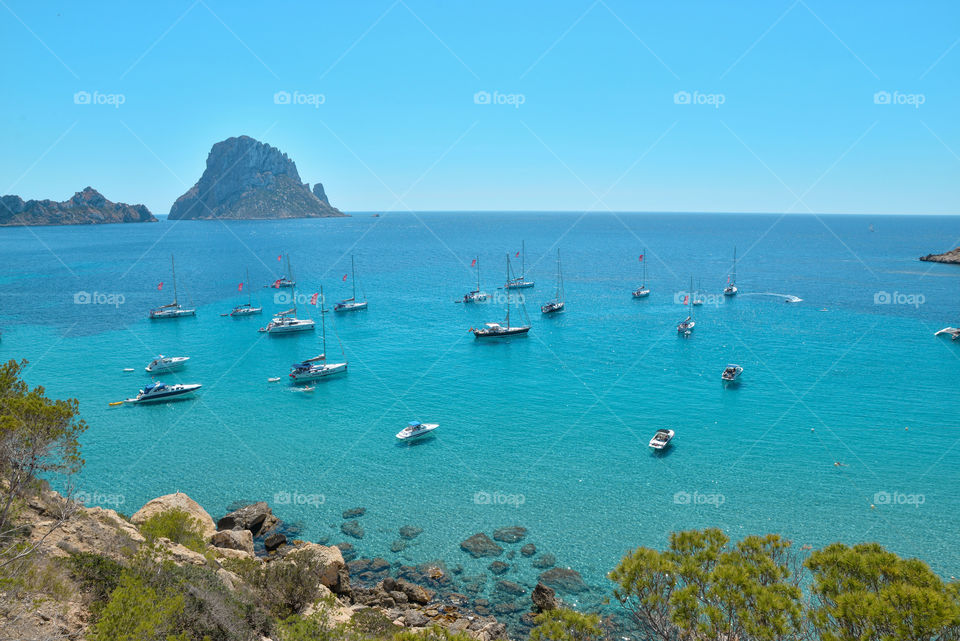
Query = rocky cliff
x=248 y=179
x=952 y=256
x=87 y=207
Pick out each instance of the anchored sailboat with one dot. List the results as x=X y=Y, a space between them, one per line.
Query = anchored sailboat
x=317 y=367
x=496 y=330
x=246 y=309
x=686 y=325
x=642 y=291
x=351 y=304
x=286 y=321
x=520 y=282
x=287 y=279
x=731 y=288
x=697 y=297
x=557 y=304
x=174 y=309
x=476 y=295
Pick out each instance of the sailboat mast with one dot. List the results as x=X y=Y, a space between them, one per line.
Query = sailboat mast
x=353 y=277
x=508 y=292
x=323 y=321
x=249 y=293
x=733 y=280
x=559 y=277
x=691 y=298
x=478 y=273
x=173 y=268
x=523 y=260
x=643 y=285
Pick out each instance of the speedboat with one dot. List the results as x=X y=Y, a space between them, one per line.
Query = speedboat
x=247 y=309
x=552 y=307
x=953 y=332
x=159 y=392
x=350 y=305
x=474 y=297
x=416 y=429
x=496 y=330
x=731 y=373
x=315 y=368
x=661 y=439
x=686 y=325
x=167 y=363
x=285 y=323
x=171 y=310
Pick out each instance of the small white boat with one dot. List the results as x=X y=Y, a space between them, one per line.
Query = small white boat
x=247 y=308
x=351 y=304
x=557 y=304
x=476 y=295
x=642 y=291
x=661 y=439
x=273 y=379
x=953 y=332
x=285 y=323
x=686 y=325
x=174 y=309
x=731 y=373
x=160 y=392
x=496 y=330
x=731 y=288
x=520 y=282
x=167 y=364
x=416 y=429
x=128 y=369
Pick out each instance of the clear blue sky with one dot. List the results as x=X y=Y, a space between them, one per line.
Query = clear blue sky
x=798 y=129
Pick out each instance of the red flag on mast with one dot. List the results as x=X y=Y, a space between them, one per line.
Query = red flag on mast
x=280 y=258
x=686 y=299
x=240 y=287
x=160 y=286
x=641 y=258
x=345 y=276
x=473 y=263
x=518 y=255
x=313 y=299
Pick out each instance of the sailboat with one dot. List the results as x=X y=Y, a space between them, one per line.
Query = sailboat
x=731 y=288
x=246 y=309
x=496 y=330
x=476 y=295
x=317 y=367
x=642 y=291
x=556 y=305
x=351 y=304
x=696 y=298
x=685 y=327
x=174 y=309
x=287 y=279
x=286 y=321
x=520 y=282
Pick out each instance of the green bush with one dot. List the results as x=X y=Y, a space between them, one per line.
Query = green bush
x=178 y=526
x=370 y=622
x=289 y=585
x=433 y=633
x=136 y=612
x=566 y=625
x=98 y=574
x=316 y=627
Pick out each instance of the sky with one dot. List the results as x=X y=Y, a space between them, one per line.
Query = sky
x=776 y=106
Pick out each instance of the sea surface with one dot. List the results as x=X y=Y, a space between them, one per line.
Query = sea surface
x=844 y=427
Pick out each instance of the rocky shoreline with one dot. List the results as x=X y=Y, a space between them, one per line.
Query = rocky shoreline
x=952 y=257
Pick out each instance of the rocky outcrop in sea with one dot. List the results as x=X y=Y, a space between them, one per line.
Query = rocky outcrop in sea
x=952 y=256
x=87 y=207
x=248 y=179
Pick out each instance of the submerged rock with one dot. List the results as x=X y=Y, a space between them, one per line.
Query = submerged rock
x=544 y=598
x=509 y=587
x=528 y=550
x=545 y=561
x=352 y=528
x=499 y=567
x=510 y=534
x=398 y=546
x=564 y=579
x=410 y=532
x=354 y=512
x=480 y=545
x=347 y=550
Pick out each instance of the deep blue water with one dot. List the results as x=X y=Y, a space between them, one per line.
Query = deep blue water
x=554 y=427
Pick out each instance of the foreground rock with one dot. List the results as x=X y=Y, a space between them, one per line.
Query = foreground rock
x=258 y=518
x=234 y=540
x=952 y=256
x=248 y=179
x=177 y=501
x=544 y=598
x=87 y=207
x=480 y=545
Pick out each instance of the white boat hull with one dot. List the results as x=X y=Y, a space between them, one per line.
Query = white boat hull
x=172 y=313
x=730 y=291
x=316 y=373
x=641 y=293
x=246 y=311
x=299 y=326
x=661 y=440
x=172 y=365
x=408 y=435
x=524 y=284
x=174 y=392
x=349 y=307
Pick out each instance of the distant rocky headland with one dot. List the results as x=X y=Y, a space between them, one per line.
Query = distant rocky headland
x=87 y=207
x=952 y=256
x=248 y=179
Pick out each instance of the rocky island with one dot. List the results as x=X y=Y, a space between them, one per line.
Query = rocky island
x=246 y=179
x=952 y=256
x=87 y=207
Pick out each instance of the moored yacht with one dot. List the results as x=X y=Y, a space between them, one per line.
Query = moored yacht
x=685 y=327
x=557 y=304
x=286 y=322
x=731 y=373
x=731 y=288
x=286 y=280
x=642 y=291
x=416 y=429
x=159 y=392
x=174 y=309
x=496 y=330
x=248 y=308
x=317 y=367
x=167 y=363
x=476 y=295
x=351 y=304
x=520 y=282
x=661 y=439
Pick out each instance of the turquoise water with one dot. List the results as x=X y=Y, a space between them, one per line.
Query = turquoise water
x=552 y=427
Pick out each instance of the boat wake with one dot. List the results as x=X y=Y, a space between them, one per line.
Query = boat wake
x=787 y=298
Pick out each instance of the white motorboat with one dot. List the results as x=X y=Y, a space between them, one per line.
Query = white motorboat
x=317 y=367
x=731 y=373
x=167 y=364
x=496 y=330
x=520 y=282
x=642 y=291
x=952 y=332
x=557 y=304
x=351 y=304
x=160 y=392
x=661 y=439
x=476 y=295
x=286 y=322
x=731 y=288
x=416 y=429
x=174 y=309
